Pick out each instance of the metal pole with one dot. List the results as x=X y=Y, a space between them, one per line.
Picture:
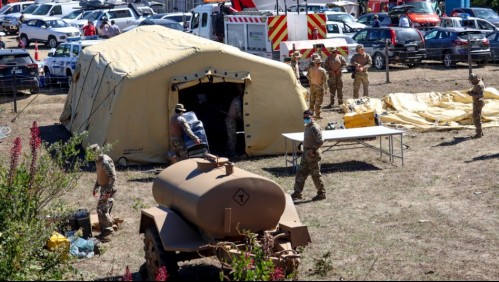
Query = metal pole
x=387 y=61
x=14 y=68
x=469 y=57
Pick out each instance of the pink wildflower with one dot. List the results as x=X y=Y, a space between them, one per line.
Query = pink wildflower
x=162 y=274
x=128 y=275
x=15 y=153
x=34 y=142
x=277 y=274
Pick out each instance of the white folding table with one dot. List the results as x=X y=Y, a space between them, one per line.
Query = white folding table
x=353 y=137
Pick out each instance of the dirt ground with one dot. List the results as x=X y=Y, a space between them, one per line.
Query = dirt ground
x=434 y=218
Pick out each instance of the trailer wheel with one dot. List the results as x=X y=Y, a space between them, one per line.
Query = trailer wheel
x=156 y=256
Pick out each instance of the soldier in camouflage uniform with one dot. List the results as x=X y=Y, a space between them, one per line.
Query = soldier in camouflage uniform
x=106 y=179
x=477 y=93
x=310 y=161
x=334 y=64
x=295 y=64
x=362 y=62
x=178 y=125
x=234 y=115
x=318 y=79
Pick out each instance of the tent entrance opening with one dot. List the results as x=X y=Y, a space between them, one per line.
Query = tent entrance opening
x=210 y=102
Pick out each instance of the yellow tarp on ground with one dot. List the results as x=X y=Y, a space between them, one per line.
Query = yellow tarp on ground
x=430 y=111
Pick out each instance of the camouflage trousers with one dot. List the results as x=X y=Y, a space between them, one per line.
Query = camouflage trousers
x=477 y=114
x=360 y=78
x=335 y=84
x=231 y=125
x=309 y=166
x=178 y=146
x=316 y=97
x=104 y=207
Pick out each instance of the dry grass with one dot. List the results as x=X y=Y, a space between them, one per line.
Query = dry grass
x=435 y=218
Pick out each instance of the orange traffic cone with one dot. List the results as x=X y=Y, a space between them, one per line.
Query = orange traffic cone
x=36 y=51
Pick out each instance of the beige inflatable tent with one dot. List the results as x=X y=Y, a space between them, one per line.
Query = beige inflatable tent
x=125 y=89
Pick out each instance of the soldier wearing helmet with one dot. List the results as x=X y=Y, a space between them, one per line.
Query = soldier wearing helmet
x=334 y=65
x=477 y=93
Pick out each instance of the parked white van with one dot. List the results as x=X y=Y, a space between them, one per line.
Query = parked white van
x=58 y=9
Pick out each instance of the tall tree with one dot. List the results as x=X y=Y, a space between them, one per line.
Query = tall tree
x=494 y=4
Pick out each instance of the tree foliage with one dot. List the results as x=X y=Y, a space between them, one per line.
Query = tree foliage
x=493 y=4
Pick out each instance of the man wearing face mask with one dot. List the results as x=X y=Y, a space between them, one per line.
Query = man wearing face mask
x=310 y=161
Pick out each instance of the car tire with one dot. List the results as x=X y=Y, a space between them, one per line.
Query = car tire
x=483 y=63
x=69 y=77
x=414 y=65
x=25 y=39
x=52 y=42
x=48 y=76
x=379 y=61
x=448 y=60
x=34 y=91
x=156 y=256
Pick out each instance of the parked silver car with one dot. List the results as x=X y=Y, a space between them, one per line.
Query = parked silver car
x=494 y=45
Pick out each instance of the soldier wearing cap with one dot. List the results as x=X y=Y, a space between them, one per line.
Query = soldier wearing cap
x=362 y=61
x=477 y=93
x=334 y=65
x=317 y=76
x=311 y=159
x=178 y=125
x=106 y=179
x=295 y=57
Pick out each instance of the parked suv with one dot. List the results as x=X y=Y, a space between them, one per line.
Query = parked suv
x=483 y=13
x=484 y=26
x=405 y=45
x=49 y=30
x=61 y=62
x=450 y=45
x=19 y=71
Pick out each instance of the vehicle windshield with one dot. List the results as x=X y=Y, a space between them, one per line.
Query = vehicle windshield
x=422 y=7
x=4 y=8
x=42 y=10
x=178 y=19
x=17 y=58
x=408 y=35
x=94 y=15
x=57 y=23
x=156 y=16
x=347 y=18
x=30 y=9
x=176 y=26
x=73 y=15
x=147 y=22
x=486 y=14
x=471 y=35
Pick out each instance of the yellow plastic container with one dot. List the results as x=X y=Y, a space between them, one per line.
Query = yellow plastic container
x=353 y=120
x=56 y=241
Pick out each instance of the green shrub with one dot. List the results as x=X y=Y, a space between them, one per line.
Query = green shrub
x=254 y=262
x=28 y=188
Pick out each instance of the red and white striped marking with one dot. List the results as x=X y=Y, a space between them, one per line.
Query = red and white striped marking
x=246 y=19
